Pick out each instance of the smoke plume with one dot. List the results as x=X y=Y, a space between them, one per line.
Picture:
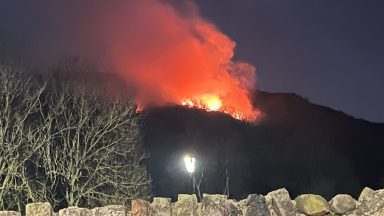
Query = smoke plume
x=170 y=53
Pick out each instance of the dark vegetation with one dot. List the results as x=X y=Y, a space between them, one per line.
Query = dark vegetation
x=301 y=146
x=298 y=145
x=66 y=143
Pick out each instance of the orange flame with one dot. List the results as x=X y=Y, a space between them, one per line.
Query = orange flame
x=176 y=59
x=206 y=102
x=212 y=103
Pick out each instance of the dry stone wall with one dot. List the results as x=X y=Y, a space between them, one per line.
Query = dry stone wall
x=275 y=203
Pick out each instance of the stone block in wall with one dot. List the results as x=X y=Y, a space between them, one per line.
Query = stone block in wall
x=255 y=205
x=111 y=210
x=186 y=205
x=140 y=208
x=74 y=211
x=160 y=207
x=280 y=204
x=234 y=208
x=342 y=203
x=213 y=205
x=38 y=209
x=365 y=194
x=311 y=204
x=370 y=201
x=9 y=213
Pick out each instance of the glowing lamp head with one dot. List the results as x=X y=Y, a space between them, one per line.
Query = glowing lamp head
x=190 y=163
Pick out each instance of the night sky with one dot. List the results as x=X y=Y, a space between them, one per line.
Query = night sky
x=330 y=52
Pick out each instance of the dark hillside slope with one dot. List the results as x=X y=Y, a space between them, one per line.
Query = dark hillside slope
x=298 y=145
x=359 y=140
x=301 y=146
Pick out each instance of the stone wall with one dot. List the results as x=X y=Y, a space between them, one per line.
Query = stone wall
x=275 y=203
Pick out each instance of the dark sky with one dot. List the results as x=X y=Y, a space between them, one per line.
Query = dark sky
x=329 y=51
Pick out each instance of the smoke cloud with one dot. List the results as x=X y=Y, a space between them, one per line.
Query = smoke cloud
x=170 y=53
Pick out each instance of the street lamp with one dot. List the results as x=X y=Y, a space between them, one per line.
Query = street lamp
x=190 y=163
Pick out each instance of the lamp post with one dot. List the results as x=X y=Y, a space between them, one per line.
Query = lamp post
x=190 y=165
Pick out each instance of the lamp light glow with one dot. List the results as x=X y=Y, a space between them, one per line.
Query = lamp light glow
x=190 y=162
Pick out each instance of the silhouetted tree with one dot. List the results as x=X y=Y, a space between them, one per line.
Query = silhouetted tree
x=20 y=136
x=67 y=145
x=94 y=157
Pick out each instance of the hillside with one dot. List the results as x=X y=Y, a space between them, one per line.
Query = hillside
x=299 y=145
x=304 y=147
